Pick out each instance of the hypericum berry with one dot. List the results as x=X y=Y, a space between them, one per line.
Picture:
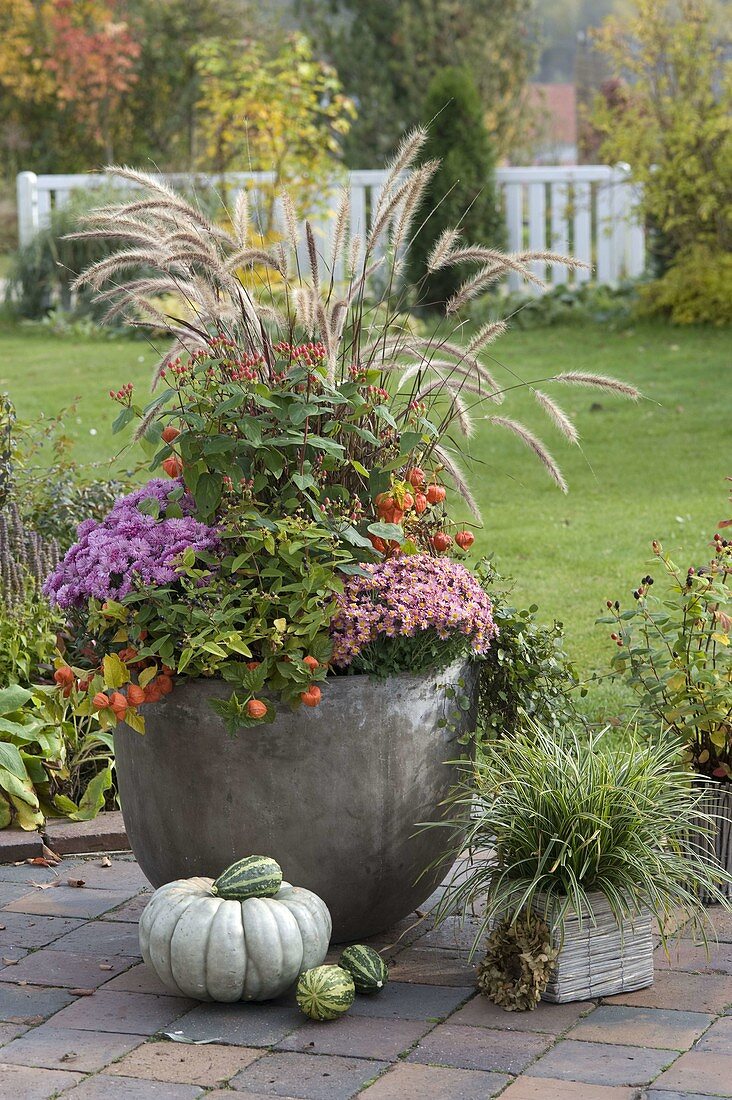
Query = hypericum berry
x=465 y=539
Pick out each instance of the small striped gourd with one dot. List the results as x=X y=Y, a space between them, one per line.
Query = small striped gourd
x=252 y=877
x=325 y=992
x=367 y=968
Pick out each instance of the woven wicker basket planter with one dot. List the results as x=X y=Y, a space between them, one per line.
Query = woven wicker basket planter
x=599 y=958
x=716 y=847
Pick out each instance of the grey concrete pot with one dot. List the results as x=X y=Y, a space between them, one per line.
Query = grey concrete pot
x=333 y=793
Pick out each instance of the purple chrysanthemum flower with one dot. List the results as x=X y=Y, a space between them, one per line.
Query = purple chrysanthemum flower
x=128 y=550
x=406 y=595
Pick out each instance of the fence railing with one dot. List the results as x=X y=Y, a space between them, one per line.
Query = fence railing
x=587 y=211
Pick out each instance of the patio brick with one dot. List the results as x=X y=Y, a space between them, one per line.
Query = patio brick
x=544 y=1088
x=8 y=1032
x=415 y=1082
x=27 y=930
x=358 y=1037
x=718 y=1038
x=677 y=989
x=102 y=939
x=685 y=955
x=24 y=1083
x=643 y=1027
x=207 y=1065
x=549 y=1018
x=246 y=1025
x=19 y=844
x=50 y=1047
x=479 y=1048
x=601 y=1063
x=131 y=910
x=410 y=1001
x=106 y=833
x=30 y=1004
x=453 y=935
x=128 y=1013
x=67 y=901
x=662 y=1094
x=13 y=891
x=121 y=874
x=140 y=978
x=432 y=967
x=63 y=968
x=310 y=1076
x=722 y=922
x=104 y=1087
x=697 y=1072
x=9 y=956
x=25 y=873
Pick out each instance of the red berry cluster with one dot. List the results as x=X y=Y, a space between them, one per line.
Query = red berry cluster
x=124 y=396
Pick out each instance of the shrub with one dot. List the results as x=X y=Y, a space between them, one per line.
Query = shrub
x=696 y=289
x=462 y=190
x=526 y=674
x=673 y=649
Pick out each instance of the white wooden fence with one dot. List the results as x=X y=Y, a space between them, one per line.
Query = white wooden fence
x=587 y=211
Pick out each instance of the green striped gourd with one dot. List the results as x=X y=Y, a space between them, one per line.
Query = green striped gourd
x=253 y=877
x=325 y=992
x=367 y=968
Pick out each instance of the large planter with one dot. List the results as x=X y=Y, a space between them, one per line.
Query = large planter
x=335 y=794
x=597 y=957
x=714 y=844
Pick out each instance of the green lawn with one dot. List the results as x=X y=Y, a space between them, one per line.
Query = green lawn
x=649 y=470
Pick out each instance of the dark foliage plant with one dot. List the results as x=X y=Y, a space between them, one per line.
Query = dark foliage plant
x=462 y=190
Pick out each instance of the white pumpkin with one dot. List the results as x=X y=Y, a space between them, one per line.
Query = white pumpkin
x=206 y=947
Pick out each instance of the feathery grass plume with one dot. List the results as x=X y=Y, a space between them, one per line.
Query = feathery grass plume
x=240 y=216
x=598 y=382
x=404 y=158
x=339 y=229
x=312 y=255
x=486 y=335
x=453 y=469
x=533 y=443
x=411 y=200
x=355 y=247
x=488 y=275
x=558 y=416
x=442 y=247
x=288 y=210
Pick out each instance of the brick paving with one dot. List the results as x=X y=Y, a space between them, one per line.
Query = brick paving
x=82 y=1017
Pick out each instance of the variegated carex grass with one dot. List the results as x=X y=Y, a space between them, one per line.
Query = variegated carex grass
x=550 y=819
x=230 y=281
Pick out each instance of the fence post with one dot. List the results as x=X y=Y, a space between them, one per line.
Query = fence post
x=27 y=192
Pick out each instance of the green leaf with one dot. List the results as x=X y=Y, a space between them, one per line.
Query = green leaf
x=208 y=494
x=6 y=812
x=13 y=698
x=386 y=531
x=122 y=420
x=115 y=673
x=93 y=798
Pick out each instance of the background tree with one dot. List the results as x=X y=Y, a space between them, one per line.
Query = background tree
x=388 y=51
x=673 y=121
x=462 y=191
x=284 y=113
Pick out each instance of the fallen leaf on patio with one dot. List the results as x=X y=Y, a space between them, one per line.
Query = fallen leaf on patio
x=41 y=861
x=179 y=1037
x=106 y=966
x=50 y=854
x=106 y=862
x=70 y=1054
x=81 y=993
x=45 y=885
x=8 y=962
x=2 y=927
x=77 y=882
